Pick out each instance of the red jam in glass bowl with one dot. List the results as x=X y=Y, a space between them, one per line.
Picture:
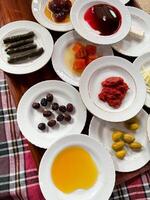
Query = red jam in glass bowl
x=104 y=18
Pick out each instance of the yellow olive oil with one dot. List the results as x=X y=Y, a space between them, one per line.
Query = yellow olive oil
x=73 y=169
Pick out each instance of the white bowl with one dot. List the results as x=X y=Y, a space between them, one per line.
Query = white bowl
x=42 y=38
x=38 y=7
x=102 y=159
x=29 y=118
x=112 y=66
x=61 y=45
x=140 y=61
x=102 y=132
x=77 y=18
x=131 y=46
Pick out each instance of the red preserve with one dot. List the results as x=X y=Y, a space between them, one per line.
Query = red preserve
x=114 y=91
x=104 y=18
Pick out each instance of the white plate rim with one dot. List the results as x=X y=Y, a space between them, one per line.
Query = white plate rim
x=91 y=35
x=37 y=63
x=81 y=140
x=125 y=1
x=94 y=123
x=138 y=62
x=52 y=26
x=128 y=66
x=45 y=143
x=58 y=65
x=144 y=16
x=148 y=127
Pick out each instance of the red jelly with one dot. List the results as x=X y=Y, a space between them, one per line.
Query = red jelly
x=104 y=18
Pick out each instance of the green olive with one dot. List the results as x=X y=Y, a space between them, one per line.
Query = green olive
x=117 y=146
x=133 y=126
x=117 y=135
x=135 y=146
x=121 y=154
x=128 y=138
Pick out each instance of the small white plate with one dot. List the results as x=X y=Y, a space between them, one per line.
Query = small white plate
x=29 y=118
x=42 y=38
x=59 y=52
x=98 y=71
x=131 y=46
x=38 y=7
x=102 y=131
x=102 y=159
x=148 y=127
x=144 y=60
x=81 y=26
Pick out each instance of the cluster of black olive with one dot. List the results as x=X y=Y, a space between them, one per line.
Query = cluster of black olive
x=62 y=111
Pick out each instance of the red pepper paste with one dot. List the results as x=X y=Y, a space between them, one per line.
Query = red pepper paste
x=114 y=91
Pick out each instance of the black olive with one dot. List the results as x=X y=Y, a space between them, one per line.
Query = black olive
x=62 y=109
x=55 y=106
x=60 y=118
x=41 y=126
x=47 y=113
x=67 y=118
x=51 y=123
x=49 y=97
x=35 y=105
x=44 y=102
x=70 y=107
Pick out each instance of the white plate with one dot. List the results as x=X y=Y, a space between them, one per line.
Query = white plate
x=59 y=50
x=143 y=60
x=134 y=47
x=148 y=127
x=102 y=159
x=98 y=71
x=29 y=118
x=38 y=7
x=77 y=17
x=124 y=1
x=43 y=39
x=102 y=131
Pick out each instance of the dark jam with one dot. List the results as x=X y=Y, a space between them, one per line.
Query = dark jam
x=104 y=18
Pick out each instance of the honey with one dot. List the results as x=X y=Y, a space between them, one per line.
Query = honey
x=73 y=169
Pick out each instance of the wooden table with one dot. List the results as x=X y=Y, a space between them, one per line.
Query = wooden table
x=13 y=10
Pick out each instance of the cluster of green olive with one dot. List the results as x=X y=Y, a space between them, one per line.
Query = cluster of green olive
x=120 y=140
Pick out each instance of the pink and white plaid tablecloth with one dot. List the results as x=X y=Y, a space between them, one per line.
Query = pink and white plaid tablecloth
x=18 y=174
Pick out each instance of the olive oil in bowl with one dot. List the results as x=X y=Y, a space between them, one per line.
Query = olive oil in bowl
x=73 y=169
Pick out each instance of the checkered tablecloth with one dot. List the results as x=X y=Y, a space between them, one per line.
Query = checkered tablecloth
x=18 y=174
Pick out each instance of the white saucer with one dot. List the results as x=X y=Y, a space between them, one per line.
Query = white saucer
x=102 y=132
x=43 y=39
x=131 y=46
x=29 y=118
x=38 y=8
x=102 y=159
x=59 y=50
x=98 y=71
x=80 y=25
x=139 y=62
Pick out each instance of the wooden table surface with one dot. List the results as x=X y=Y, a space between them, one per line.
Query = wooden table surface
x=13 y=10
